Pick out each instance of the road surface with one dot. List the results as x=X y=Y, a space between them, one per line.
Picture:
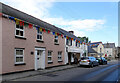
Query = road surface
x=101 y=73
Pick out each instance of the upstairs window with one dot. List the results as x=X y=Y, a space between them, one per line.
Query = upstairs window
x=39 y=35
x=19 y=31
x=100 y=50
x=69 y=42
x=77 y=44
x=56 y=40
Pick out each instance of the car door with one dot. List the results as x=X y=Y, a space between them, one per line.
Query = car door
x=94 y=60
x=96 y=63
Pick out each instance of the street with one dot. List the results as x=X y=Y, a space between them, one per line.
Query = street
x=109 y=72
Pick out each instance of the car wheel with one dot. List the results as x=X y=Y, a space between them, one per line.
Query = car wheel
x=91 y=65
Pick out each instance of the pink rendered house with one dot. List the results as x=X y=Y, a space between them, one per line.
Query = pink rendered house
x=28 y=47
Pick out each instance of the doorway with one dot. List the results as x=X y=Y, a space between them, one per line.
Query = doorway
x=39 y=58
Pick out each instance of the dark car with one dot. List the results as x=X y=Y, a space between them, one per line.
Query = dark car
x=88 y=61
x=101 y=60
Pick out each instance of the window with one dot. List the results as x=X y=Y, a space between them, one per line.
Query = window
x=19 y=31
x=69 y=42
x=39 y=35
x=49 y=56
x=56 y=40
x=59 y=56
x=19 y=56
x=100 y=50
x=77 y=44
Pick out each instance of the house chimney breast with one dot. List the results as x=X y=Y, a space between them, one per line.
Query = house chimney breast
x=71 y=32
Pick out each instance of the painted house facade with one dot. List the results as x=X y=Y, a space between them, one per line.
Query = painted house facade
x=27 y=47
x=29 y=43
x=109 y=50
x=96 y=49
x=73 y=48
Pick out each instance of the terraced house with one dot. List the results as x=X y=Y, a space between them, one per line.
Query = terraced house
x=96 y=49
x=74 y=48
x=29 y=43
x=109 y=50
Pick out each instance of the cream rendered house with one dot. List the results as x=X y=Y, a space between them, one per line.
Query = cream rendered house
x=109 y=50
x=97 y=49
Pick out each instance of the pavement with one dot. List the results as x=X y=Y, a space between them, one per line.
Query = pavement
x=14 y=76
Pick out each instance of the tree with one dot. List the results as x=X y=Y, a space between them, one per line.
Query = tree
x=84 y=39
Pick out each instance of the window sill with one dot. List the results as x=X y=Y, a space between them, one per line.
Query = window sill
x=50 y=62
x=17 y=64
x=56 y=43
x=60 y=61
x=20 y=37
x=40 y=41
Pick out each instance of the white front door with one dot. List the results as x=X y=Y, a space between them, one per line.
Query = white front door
x=39 y=58
x=39 y=54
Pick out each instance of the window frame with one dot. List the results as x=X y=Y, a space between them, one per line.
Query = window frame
x=69 y=42
x=19 y=30
x=19 y=55
x=77 y=44
x=39 y=34
x=59 y=56
x=56 y=38
x=49 y=56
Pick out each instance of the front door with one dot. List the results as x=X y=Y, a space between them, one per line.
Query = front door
x=39 y=58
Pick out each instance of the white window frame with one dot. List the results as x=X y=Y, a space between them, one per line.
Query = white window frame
x=50 y=56
x=59 y=55
x=39 y=33
x=19 y=56
x=19 y=30
x=56 y=38
x=69 y=42
x=77 y=44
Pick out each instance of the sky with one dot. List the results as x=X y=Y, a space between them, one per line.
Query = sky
x=96 y=20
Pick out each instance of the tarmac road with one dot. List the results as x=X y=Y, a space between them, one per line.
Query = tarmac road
x=101 y=73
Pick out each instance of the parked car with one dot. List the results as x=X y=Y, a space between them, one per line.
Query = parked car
x=101 y=60
x=88 y=61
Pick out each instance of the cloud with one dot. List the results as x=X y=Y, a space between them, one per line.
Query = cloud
x=79 y=26
x=40 y=9
x=37 y=8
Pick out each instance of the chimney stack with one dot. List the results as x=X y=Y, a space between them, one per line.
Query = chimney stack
x=71 y=32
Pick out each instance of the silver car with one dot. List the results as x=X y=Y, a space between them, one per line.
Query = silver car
x=88 y=61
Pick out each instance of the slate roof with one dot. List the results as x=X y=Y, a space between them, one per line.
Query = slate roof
x=90 y=50
x=95 y=44
x=109 y=45
x=69 y=34
x=28 y=18
x=25 y=17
